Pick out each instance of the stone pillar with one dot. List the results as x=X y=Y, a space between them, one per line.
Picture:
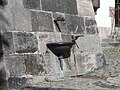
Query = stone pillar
x=85 y=8
x=32 y=27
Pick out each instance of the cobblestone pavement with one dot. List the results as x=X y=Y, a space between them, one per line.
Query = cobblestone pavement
x=76 y=83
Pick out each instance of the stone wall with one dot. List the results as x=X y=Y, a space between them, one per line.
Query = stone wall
x=32 y=27
x=85 y=8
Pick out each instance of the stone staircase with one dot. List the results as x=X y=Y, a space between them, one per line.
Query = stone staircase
x=111 y=51
x=111 y=46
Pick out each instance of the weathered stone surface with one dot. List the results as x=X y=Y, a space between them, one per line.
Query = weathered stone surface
x=106 y=85
x=66 y=37
x=38 y=60
x=104 y=32
x=85 y=8
x=62 y=24
x=89 y=44
x=15 y=3
x=31 y=4
x=9 y=38
x=112 y=53
x=41 y=21
x=93 y=43
x=34 y=64
x=76 y=84
x=54 y=6
x=100 y=60
x=64 y=6
x=15 y=64
x=85 y=63
x=8 y=22
x=25 y=42
x=22 y=20
x=91 y=26
x=111 y=69
x=50 y=59
x=114 y=80
x=16 y=83
x=75 y=24
x=70 y=6
x=43 y=39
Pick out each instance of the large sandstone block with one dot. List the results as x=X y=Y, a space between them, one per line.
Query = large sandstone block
x=43 y=39
x=93 y=44
x=20 y=65
x=89 y=44
x=15 y=64
x=41 y=21
x=91 y=26
x=85 y=63
x=51 y=62
x=25 y=42
x=85 y=8
x=75 y=24
x=7 y=21
x=32 y=4
x=22 y=21
x=35 y=64
x=9 y=39
x=64 y=6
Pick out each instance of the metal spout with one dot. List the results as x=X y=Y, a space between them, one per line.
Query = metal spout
x=56 y=22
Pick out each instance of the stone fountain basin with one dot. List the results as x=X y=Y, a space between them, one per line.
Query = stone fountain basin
x=60 y=49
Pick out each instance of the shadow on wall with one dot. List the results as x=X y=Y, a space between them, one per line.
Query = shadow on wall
x=3 y=82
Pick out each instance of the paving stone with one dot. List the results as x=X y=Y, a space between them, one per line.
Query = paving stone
x=25 y=42
x=114 y=80
x=31 y=4
x=16 y=83
x=41 y=21
x=106 y=85
x=64 y=6
x=75 y=84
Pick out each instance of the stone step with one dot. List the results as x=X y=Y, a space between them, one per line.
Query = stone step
x=108 y=40
x=111 y=53
x=105 y=44
x=111 y=50
x=111 y=44
x=112 y=36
